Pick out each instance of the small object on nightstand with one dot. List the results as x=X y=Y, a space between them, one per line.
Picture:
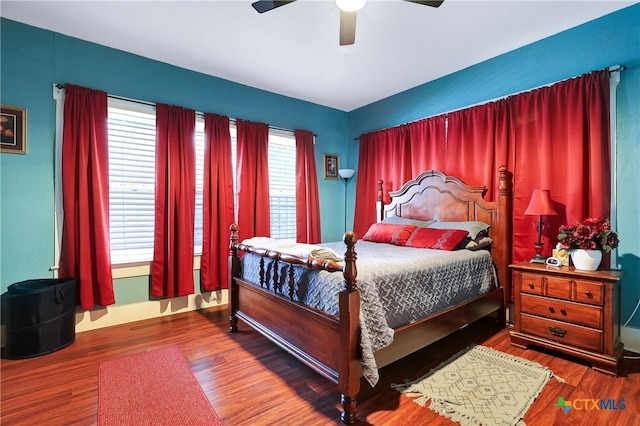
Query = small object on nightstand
x=553 y=261
x=561 y=254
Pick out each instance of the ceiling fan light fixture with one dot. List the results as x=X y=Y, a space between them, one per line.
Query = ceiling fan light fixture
x=350 y=5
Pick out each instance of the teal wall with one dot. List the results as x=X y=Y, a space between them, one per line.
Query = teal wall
x=611 y=40
x=33 y=59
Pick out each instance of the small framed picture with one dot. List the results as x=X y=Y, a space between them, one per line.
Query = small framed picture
x=331 y=166
x=13 y=129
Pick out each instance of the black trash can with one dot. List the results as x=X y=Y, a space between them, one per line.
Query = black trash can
x=39 y=317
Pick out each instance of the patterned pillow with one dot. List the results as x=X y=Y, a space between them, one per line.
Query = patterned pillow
x=389 y=233
x=473 y=227
x=439 y=239
x=399 y=220
x=480 y=243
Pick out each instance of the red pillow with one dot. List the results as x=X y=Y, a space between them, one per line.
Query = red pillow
x=389 y=233
x=439 y=239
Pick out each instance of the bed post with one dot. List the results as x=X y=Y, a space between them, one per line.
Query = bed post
x=349 y=303
x=234 y=271
x=504 y=256
x=380 y=203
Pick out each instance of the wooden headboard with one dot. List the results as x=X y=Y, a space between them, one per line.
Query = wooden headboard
x=434 y=195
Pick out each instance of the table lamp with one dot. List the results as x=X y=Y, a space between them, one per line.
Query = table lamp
x=540 y=205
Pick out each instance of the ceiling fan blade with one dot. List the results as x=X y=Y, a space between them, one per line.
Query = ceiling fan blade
x=347 y=27
x=266 y=5
x=434 y=3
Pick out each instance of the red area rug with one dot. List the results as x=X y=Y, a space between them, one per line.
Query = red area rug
x=152 y=388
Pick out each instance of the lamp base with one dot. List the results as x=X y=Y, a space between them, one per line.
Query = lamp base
x=538 y=259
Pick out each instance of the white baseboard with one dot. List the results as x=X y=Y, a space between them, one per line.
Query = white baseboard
x=631 y=338
x=115 y=315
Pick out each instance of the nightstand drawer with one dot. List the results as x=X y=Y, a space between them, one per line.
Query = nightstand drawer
x=558 y=287
x=559 y=331
x=589 y=292
x=531 y=284
x=590 y=316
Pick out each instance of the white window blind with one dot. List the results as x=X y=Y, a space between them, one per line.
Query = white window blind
x=197 y=224
x=132 y=139
x=282 y=184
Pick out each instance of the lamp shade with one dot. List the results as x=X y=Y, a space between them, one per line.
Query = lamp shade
x=346 y=173
x=350 y=5
x=541 y=204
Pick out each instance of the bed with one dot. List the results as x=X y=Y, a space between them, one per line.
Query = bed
x=267 y=293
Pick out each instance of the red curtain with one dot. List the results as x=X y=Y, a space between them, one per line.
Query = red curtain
x=383 y=155
x=428 y=143
x=85 y=252
x=252 y=179
x=561 y=137
x=172 y=267
x=394 y=155
x=477 y=144
x=307 y=199
x=217 y=203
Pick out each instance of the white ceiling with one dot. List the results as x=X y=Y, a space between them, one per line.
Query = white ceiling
x=293 y=50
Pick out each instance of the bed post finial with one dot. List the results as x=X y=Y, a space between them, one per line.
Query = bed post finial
x=380 y=202
x=350 y=271
x=503 y=182
x=233 y=240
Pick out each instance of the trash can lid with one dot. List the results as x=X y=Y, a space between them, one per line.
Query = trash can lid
x=36 y=286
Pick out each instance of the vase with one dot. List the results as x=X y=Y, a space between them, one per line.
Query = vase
x=586 y=260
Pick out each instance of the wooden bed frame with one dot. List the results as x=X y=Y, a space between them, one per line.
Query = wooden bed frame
x=330 y=344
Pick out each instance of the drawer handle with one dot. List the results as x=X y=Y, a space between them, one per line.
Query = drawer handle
x=563 y=312
x=557 y=331
x=553 y=311
x=531 y=286
x=589 y=295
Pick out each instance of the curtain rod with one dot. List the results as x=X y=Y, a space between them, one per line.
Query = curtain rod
x=612 y=69
x=147 y=103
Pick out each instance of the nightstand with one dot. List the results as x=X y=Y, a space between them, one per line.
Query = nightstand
x=569 y=311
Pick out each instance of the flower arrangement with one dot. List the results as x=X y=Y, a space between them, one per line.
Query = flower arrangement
x=590 y=234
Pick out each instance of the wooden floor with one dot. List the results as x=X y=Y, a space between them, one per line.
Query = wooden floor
x=249 y=381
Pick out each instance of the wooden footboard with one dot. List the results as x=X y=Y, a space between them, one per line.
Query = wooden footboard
x=328 y=344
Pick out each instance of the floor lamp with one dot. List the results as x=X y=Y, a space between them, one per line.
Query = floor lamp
x=540 y=205
x=345 y=176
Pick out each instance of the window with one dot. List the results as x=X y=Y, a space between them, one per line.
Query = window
x=282 y=185
x=132 y=139
x=197 y=224
x=132 y=136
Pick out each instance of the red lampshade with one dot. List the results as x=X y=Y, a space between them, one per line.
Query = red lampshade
x=541 y=204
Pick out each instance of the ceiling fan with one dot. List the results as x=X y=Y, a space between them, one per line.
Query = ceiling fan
x=348 y=11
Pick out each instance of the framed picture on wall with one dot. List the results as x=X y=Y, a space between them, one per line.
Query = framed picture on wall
x=331 y=166
x=13 y=129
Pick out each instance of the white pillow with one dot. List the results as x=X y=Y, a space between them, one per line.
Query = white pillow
x=398 y=220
